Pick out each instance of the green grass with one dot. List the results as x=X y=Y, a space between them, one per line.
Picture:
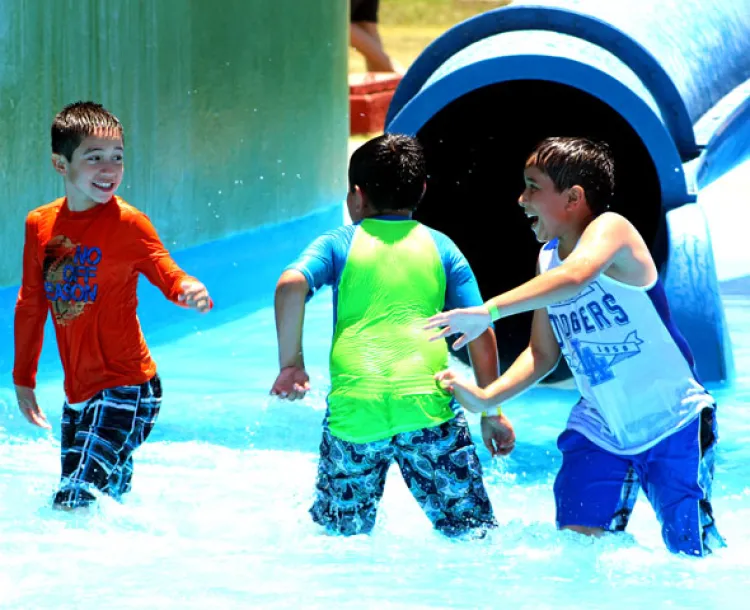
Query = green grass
x=408 y=26
x=421 y=13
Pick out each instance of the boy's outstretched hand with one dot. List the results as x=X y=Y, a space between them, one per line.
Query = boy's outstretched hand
x=292 y=383
x=469 y=323
x=469 y=395
x=195 y=296
x=31 y=411
x=498 y=435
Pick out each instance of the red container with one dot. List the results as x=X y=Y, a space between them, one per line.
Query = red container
x=370 y=95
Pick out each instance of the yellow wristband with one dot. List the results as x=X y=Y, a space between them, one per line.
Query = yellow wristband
x=494 y=311
x=499 y=413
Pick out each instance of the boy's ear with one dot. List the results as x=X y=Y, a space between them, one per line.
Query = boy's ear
x=359 y=197
x=60 y=163
x=576 y=195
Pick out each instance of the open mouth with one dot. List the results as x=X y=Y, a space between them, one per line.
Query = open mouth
x=104 y=186
x=533 y=218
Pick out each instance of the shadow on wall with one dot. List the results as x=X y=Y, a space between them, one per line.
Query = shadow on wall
x=476 y=148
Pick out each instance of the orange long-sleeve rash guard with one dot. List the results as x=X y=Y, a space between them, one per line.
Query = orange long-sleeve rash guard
x=83 y=268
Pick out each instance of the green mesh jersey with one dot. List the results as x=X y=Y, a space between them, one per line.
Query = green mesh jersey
x=382 y=363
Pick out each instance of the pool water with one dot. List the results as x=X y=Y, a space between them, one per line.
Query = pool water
x=218 y=514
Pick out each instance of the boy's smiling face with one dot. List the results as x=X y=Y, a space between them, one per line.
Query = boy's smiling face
x=95 y=171
x=544 y=205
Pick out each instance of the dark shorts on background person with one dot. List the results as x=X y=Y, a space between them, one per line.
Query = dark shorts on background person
x=364 y=10
x=596 y=488
x=439 y=466
x=98 y=441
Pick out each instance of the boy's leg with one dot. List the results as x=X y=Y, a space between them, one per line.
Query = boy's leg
x=70 y=422
x=442 y=470
x=351 y=479
x=121 y=480
x=677 y=479
x=108 y=429
x=594 y=490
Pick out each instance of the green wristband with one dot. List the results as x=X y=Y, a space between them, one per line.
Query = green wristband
x=498 y=413
x=494 y=311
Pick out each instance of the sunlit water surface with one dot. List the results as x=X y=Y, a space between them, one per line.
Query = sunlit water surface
x=218 y=514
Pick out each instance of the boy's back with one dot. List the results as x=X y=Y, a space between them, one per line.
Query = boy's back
x=389 y=274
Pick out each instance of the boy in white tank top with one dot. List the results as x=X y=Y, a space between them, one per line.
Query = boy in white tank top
x=643 y=419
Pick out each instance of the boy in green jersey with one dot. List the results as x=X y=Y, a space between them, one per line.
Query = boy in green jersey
x=389 y=273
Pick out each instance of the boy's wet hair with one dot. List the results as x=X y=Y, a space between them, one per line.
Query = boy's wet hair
x=76 y=122
x=578 y=161
x=391 y=172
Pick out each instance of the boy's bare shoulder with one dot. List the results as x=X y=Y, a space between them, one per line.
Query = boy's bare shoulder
x=612 y=221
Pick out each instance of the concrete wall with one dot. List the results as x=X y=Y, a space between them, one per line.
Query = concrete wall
x=235 y=113
x=236 y=128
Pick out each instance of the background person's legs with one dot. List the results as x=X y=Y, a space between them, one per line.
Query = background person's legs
x=364 y=37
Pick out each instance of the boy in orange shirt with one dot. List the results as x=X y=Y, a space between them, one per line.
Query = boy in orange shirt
x=81 y=260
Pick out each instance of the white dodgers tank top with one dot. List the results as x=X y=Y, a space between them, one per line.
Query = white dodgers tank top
x=632 y=366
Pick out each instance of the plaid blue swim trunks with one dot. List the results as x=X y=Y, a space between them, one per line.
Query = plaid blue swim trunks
x=439 y=465
x=98 y=440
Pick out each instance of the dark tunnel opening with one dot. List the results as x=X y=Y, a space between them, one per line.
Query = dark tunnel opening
x=476 y=148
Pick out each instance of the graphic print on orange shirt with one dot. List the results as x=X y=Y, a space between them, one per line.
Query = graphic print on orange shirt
x=70 y=277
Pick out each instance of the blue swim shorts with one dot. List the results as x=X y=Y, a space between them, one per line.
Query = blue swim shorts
x=596 y=488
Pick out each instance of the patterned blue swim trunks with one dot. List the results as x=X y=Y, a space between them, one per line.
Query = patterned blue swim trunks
x=98 y=440
x=439 y=465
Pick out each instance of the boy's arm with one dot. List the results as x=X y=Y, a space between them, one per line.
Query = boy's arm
x=532 y=365
x=483 y=356
x=609 y=239
x=289 y=307
x=292 y=381
x=462 y=290
x=154 y=261
x=312 y=270
x=497 y=431
x=30 y=313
